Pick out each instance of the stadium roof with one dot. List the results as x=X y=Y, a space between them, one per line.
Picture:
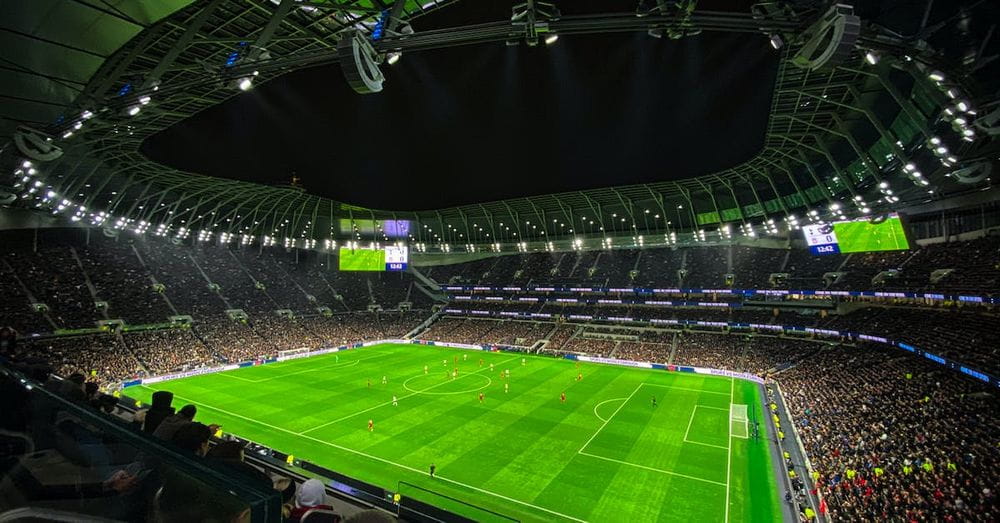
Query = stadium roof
x=838 y=135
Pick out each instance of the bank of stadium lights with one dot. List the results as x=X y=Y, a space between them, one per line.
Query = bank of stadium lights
x=204 y=235
x=747 y=230
x=550 y=247
x=725 y=231
x=771 y=227
x=607 y=242
x=522 y=246
x=670 y=238
x=578 y=244
x=330 y=244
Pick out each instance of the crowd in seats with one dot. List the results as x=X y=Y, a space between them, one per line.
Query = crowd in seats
x=710 y=350
x=202 y=280
x=185 y=286
x=893 y=437
x=805 y=270
x=101 y=357
x=15 y=306
x=121 y=281
x=591 y=346
x=753 y=266
x=764 y=353
x=560 y=337
x=614 y=268
x=968 y=336
x=862 y=267
x=169 y=350
x=658 y=267
x=975 y=268
x=280 y=288
x=52 y=276
x=522 y=333
x=235 y=341
x=283 y=333
x=706 y=267
x=651 y=352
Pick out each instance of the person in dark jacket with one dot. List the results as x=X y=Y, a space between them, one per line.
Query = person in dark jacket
x=159 y=411
x=170 y=425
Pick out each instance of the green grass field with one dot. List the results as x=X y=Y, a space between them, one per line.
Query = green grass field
x=606 y=454
x=862 y=236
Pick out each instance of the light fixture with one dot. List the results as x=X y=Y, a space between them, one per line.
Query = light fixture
x=392 y=58
x=134 y=110
x=937 y=76
x=551 y=38
x=245 y=84
x=776 y=41
x=872 y=57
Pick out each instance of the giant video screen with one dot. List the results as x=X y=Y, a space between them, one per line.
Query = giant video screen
x=863 y=235
x=362 y=260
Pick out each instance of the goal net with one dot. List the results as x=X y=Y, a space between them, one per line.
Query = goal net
x=739 y=422
x=291 y=353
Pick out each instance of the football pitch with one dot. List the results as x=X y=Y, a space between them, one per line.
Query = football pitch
x=605 y=454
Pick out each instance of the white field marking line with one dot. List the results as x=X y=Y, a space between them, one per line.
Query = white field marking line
x=669 y=472
x=729 y=444
x=376 y=458
x=315 y=369
x=690 y=421
x=311 y=369
x=693 y=411
x=688 y=389
x=489 y=381
x=342 y=418
x=602 y=403
x=637 y=387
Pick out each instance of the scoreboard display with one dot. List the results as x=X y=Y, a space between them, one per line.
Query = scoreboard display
x=396 y=258
x=374 y=260
x=862 y=235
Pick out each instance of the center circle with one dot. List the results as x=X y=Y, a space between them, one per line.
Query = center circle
x=434 y=385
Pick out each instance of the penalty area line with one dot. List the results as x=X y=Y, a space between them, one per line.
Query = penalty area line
x=376 y=458
x=668 y=472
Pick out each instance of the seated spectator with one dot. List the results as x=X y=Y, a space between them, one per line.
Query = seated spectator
x=231 y=454
x=311 y=495
x=193 y=437
x=159 y=411
x=169 y=426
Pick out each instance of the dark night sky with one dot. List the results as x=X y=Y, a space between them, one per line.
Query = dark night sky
x=481 y=123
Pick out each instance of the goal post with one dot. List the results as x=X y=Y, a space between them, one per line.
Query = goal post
x=293 y=353
x=739 y=421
